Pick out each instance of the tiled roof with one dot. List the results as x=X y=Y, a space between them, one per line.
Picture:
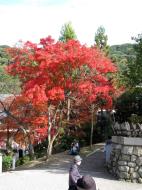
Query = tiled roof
x=4 y=96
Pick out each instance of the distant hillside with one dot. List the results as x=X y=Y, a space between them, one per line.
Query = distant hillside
x=4 y=59
x=8 y=84
x=119 y=52
x=121 y=55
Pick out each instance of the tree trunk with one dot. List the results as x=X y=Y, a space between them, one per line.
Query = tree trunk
x=31 y=148
x=92 y=125
x=7 y=141
x=49 y=147
x=68 y=112
x=51 y=139
x=49 y=150
x=31 y=151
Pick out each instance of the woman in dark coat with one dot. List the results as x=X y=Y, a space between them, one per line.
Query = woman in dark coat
x=74 y=174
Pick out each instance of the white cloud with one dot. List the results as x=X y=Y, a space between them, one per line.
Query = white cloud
x=120 y=18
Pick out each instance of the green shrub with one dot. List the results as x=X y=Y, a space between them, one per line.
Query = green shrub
x=129 y=106
x=23 y=160
x=6 y=163
x=40 y=153
x=18 y=162
x=40 y=149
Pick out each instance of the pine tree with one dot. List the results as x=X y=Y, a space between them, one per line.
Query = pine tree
x=67 y=32
x=101 y=40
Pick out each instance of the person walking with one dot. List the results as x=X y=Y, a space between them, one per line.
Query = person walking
x=108 y=150
x=14 y=158
x=74 y=174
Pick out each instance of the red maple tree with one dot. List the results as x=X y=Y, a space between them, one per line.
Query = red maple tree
x=67 y=78
x=24 y=122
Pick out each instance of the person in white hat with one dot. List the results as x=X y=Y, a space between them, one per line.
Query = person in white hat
x=74 y=174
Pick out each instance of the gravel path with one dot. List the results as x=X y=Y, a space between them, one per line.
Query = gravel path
x=53 y=175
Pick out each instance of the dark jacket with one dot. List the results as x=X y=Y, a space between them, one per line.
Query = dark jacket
x=74 y=175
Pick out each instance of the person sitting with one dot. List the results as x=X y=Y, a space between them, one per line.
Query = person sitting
x=86 y=183
x=77 y=145
x=75 y=148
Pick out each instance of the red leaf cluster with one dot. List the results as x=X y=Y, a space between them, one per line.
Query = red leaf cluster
x=52 y=72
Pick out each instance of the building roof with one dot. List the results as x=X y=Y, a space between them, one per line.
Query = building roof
x=4 y=96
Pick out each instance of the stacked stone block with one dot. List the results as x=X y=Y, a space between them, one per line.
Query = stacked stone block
x=126 y=162
x=128 y=129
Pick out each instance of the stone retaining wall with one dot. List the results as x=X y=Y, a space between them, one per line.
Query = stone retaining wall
x=128 y=129
x=126 y=158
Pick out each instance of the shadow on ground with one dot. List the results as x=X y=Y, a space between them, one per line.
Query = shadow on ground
x=92 y=164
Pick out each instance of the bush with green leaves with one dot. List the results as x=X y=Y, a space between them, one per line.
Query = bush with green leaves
x=128 y=104
x=6 y=163
x=40 y=149
x=135 y=118
x=8 y=84
x=23 y=160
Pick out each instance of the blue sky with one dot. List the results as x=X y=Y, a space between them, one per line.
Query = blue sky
x=35 y=19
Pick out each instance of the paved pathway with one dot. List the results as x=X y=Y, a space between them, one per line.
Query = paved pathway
x=54 y=175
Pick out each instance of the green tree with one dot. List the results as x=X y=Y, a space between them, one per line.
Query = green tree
x=101 y=40
x=4 y=58
x=136 y=67
x=67 y=32
x=129 y=103
x=123 y=51
x=131 y=71
x=8 y=83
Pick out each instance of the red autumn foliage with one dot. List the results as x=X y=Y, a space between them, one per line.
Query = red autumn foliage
x=24 y=118
x=54 y=72
x=47 y=70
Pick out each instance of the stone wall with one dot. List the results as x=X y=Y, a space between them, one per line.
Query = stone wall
x=126 y=158
x=128 y=129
